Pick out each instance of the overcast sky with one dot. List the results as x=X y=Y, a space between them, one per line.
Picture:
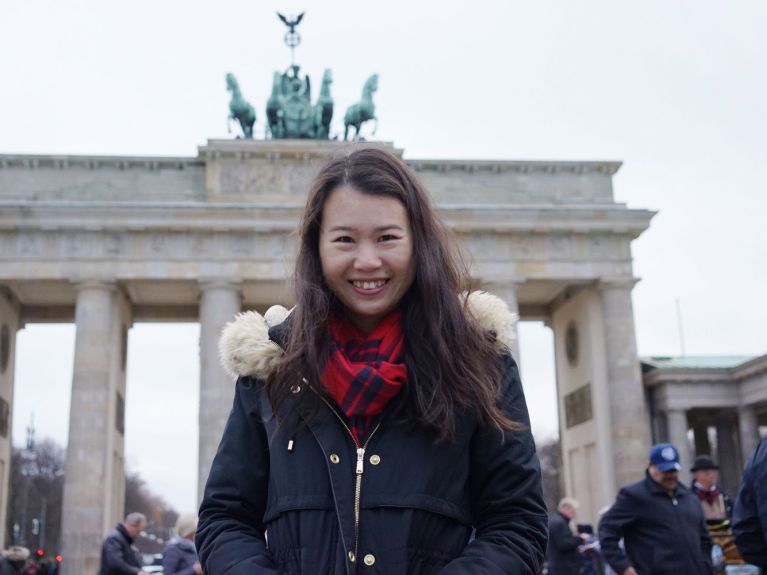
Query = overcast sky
x=674 y=90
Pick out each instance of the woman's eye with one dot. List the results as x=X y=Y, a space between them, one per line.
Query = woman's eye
x=343 y=240
x=387 y=238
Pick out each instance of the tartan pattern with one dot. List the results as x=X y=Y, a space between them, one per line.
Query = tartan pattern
x=365 y=371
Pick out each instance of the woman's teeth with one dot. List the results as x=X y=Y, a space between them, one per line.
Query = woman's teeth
x=369 y=285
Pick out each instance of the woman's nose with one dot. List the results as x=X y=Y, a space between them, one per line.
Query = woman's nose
x=367 y=258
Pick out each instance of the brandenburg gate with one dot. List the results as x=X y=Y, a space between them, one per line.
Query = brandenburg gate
x=108 y=241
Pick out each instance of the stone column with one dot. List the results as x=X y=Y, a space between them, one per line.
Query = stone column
x=629 y=421
x=219 y=303
x=729 y=463
x=10 y=323
x=749 y=431
x=94 y=486
x=677 y=436
x=700 y=432
x=507 y=291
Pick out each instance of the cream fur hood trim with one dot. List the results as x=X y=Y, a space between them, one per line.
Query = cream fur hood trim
x=245 y=347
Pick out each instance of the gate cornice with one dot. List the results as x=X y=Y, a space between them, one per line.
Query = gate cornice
x=258 y=218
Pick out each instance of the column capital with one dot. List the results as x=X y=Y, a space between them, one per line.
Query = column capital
x=617 y=283
x=93 y=283
x=491 y=282
x=220 y=283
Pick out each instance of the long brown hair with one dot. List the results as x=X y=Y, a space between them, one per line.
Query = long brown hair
x=453 y=365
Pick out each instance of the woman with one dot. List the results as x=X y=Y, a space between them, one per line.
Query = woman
x=382 y=423
x=180 y=556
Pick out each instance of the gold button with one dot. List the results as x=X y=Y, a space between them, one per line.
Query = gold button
x=351 y=556
x=334 y=458
x=369 y=560
x=295 y=389
x=375 y=459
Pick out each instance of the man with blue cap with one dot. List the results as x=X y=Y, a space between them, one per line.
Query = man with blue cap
x=660 y=521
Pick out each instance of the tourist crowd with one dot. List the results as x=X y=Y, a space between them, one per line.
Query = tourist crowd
x=660 y=526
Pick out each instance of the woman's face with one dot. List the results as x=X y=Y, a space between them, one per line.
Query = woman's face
x=366 y=250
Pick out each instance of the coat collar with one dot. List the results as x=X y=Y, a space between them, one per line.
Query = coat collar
x=250 y=345
x=657 y=489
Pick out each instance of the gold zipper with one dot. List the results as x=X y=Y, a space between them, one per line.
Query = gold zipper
x=360 y=469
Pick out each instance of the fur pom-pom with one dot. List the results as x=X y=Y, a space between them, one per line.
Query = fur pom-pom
x=245 y=347
x=493 y=314
x=276 y=314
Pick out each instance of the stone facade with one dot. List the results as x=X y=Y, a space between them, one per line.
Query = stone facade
x=106 y=241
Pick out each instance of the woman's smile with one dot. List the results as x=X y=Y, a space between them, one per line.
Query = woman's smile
x=369 y=287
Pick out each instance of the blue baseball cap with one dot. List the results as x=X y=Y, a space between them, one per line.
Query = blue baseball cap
x=665 y=457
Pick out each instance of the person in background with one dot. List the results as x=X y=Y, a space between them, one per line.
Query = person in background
x=749 y=522
x=180 y=555
x=13 y=559
x=119 y=556
x=660 y=521
x=716 y=504
x=562 y=553
x=717 y=508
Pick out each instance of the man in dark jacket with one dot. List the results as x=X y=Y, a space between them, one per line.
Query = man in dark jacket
x=749 y=522
x=660 y=521
x=118 y=554
x=562 y=553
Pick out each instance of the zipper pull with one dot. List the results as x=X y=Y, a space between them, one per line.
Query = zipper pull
x=290 y=445
x=674 y=501
x=360 y=459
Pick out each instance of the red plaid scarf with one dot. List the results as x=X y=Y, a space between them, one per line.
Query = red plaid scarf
x=364 y=372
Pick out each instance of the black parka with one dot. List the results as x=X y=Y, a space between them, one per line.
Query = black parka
x=305 y=500
x=663 y=534
x=749 y=522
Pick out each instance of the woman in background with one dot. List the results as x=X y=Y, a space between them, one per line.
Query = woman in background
x=180 y=555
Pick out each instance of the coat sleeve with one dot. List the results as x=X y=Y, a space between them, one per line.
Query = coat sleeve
x=611 y=527
x=230 y=535
x=510 y=520
x=115 y=561
x=749 y=522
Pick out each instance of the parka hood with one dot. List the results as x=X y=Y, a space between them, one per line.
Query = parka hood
x=246 y=349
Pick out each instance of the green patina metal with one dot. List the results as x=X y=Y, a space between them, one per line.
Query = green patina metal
x=363 y=111
x=289 y=109
x=239 y=109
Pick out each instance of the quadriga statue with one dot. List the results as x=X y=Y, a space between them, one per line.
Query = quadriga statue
x=364 y=110
x=289 y=110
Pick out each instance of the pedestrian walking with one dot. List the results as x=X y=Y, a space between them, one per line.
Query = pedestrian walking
x=119 y=555
x=13 y=559
x=382 y=423
x=180 y=555
x=660 y=521
x=750 y=513
x=717 y=509
x=716 y=504
x=562 y=553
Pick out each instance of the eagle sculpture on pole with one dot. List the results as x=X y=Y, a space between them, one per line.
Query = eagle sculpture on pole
x=291 y=24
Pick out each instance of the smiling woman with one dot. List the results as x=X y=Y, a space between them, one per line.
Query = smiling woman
x=382 y=422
